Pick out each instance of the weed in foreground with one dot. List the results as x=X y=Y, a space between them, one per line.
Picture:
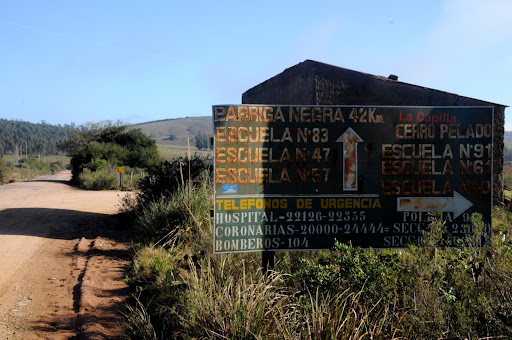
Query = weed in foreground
x=425 y=291
x=139 y=325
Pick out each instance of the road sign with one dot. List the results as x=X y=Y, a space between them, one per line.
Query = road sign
x=297 y=177
x=119 y=169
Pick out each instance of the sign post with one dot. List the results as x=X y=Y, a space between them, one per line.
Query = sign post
x=120 y=172
x=301 y=177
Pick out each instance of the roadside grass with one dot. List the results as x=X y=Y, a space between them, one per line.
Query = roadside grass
x=184 y=291
x=20 y=169
x=44 y=159
x=172 y=151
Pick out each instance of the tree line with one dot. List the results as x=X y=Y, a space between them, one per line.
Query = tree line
x=22 y=138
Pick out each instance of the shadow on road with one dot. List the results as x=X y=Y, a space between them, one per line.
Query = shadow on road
x=68 y=182
x=59 y=224
x=86 y=327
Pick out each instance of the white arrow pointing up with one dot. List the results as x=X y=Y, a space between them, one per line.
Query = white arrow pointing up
x=456 y=204
x=349 y=139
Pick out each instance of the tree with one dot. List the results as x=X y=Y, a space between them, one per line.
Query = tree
x=201 y=140
x=95 y=147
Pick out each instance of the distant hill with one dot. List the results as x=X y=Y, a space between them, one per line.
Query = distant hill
x=508 y=139
x=171 y=134
x=161 y=130
x=176 y=131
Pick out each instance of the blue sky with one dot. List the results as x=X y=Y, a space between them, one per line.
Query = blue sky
x=80 y=61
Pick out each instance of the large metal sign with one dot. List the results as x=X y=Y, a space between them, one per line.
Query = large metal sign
x=297 y=177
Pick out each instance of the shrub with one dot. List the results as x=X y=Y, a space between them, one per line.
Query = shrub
x=165 y=178
x=453 y=293
x=107 y=146
x=346 y=266
x=56 y=166
x=183 y=216
x=95 y=165
x=154 y=267
x=421 y=292
x=98 y=180
x=23 y=165
x=34 y=164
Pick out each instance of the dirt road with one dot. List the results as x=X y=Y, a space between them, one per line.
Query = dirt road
x=62 y=257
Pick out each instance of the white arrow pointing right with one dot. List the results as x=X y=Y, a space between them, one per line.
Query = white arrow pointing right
x=456 y=204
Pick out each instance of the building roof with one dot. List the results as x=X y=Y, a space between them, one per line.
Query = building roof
x=362 y=82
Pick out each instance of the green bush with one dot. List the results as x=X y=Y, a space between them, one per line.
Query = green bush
x=56 y=166
x=165 y=178
x=95 y=165
x=24 y=169
x=153 y=266
x=98 y=180
x=361 y=270
x=179 y=217
x=31 y=163
x=101 y=147
x=23 y=165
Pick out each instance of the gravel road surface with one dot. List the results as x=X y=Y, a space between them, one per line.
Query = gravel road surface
x=62 y=259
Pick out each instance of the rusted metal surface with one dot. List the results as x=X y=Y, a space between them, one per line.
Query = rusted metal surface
x=299 y=177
